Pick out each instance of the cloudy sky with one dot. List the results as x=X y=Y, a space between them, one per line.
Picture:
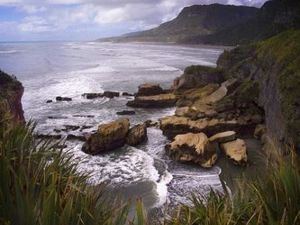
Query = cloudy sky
x=33 y=20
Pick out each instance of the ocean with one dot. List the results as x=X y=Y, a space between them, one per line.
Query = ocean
x=69 y=69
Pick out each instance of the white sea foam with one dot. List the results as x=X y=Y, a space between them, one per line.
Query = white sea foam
x=8 y=51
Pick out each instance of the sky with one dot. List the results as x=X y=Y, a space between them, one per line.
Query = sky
x=50 y=20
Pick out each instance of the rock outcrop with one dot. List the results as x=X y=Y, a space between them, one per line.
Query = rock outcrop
x=236 y=151
x=193 y=148
x=198 y=76
x=108 y=137
x=271 y=80
x=11 y=92
x=126 y=112
x=149 y=89
x=174 y=125
x=155 y=101
x=107 y=94
x=63 y=99
x=137 y=135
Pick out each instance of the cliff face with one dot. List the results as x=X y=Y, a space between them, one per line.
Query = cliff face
x=11 y=92
x=275 y=65
x=223 y=24
x=194 y=21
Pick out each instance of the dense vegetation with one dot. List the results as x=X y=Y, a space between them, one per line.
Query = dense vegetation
x=40 y=185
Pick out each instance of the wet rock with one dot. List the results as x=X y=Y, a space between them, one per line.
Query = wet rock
x=223 y=137
x=92 y=95
x=108 y=137
x=84 y=127
x=126 y=112
x=127 y=94
x=137 y=135
x=156 y=101
x=150 y=123
x=49 y=101
x=192 y=147
x=236 y=151
x=61 y=99
x=57 y=117
x=149 y=89
x=76 y=137
x=111 y=94
x=84 y=116
x=49 y=136
x=71 y=127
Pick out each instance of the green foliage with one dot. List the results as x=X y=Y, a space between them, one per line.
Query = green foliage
x=39 y=185
x=284 y=51
x=272 y=199
x=198 y=69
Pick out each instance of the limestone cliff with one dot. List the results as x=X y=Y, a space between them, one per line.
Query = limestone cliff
x=11 y=92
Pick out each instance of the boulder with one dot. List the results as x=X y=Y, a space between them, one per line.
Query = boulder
x=193 y=148
x=126 y=112
x=236 y=151
x=63 y=99
x=149 y=89
x=155 y=101
x=137 y=135
x=223 y=137
x=108 y=137
x=49 y=101
x=92 y=95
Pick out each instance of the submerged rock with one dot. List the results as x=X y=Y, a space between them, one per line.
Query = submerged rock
x=108 y=94
x=137 y=135
x=63 y=99
x=155 y=101
x=111 y=94
x=236 y=151
x=49 y=101
x=192 y=147
x=149 y=89
x=126 y=112
x=108 y=137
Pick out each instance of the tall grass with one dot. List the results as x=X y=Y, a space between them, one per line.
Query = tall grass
x=273 y=199
x=39 y=185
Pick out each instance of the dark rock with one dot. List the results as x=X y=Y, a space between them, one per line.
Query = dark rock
x=137 y=135
x=150 y=123
x=76 y=137
x=49 y=136
x=111 y=94
x=126 y=112
x=85 y=127
x=84 y=116
x=127 y=94
x=92 y=95
x=149 y=89
x=57 y=117
x=49 y=101
x=11 y=92
x=71 y=127
x=60 y=99
x=108 y=137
